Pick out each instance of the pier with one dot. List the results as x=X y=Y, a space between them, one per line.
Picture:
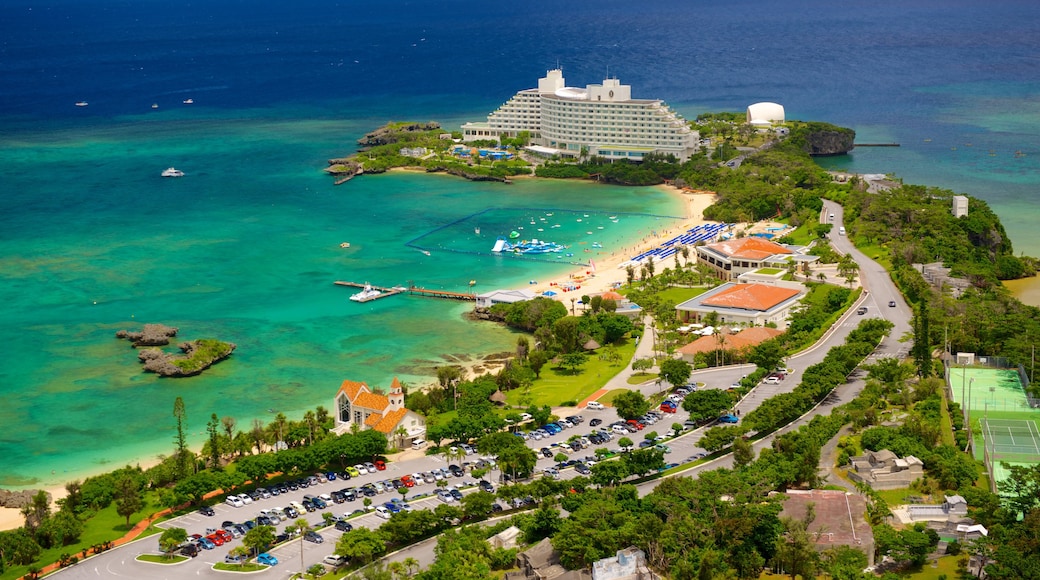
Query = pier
x=411 y=289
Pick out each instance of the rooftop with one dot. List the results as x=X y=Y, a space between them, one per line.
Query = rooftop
x=750 y=297
x=748 y=248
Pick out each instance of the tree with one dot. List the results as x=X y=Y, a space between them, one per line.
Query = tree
x=37 y=511
x=743 y=452
x=631 y=404
x=565 y=331
x=300 y=526
x=642 y=364
x=212 y=429
x=259 y=538
x=477 y=505
x=574 y=360
x=625 y=442
x=795 y=551
x=536 y=360
x=676 y=371
x=523 y=346
x=609 y=473
x=171 y=538
x=707 y=404
x=361 y=545
x=518 y=460
x=922 y=350
x=768 y=355
x=716 y=438
x=180 y=439
x=642 y=461
x=615 y=326
x=241 y=553
x=128 y=498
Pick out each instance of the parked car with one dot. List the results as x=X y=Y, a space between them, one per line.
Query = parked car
x=267 y=559
x=229 y=559
x=234 y=501
x=353 y=471
x=384 y=512
x=486 y=486
x=728 y=418
x=371 y=467
x=892 y=303
x=861 y=310
x=344 y=526
x=335 y=560
x=595 y=422
x=206 y=543
x=444 y=496
x=207 y=511
x=380 y=465
x=190 y=550
x=595 y=405
x=314 y=537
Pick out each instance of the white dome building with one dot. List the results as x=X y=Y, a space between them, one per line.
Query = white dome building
x=765 y=114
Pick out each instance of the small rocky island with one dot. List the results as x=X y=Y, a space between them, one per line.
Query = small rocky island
x=195 y=357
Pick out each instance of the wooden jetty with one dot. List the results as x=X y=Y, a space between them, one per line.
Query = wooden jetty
x=412 y=289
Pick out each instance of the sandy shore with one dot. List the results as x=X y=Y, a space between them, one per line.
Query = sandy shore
x=11 y=518
x=608 y=270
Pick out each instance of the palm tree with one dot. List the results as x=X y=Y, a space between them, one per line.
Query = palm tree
x=302 y=527
x=411 y=565
x=241 y=552
x=401 y=433
x=397 y=569
x=312 y=425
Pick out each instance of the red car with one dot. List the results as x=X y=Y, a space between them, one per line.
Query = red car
x=408 y=481
x=380 y=465
x=666 y=408
x=216 y=539
x=636 y=424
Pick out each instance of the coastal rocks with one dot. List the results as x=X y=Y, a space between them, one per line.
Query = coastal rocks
x=198 y=355
x=18 y=499
x=195 y=357
x=150 y=335
x=395 y=133
x=823 y=139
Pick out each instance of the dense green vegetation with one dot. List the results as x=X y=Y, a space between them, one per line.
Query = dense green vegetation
x=204 y=352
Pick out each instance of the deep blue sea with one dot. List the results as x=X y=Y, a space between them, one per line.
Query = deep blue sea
x=245 y=247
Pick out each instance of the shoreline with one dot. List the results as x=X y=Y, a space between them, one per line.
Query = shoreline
x=608 y=271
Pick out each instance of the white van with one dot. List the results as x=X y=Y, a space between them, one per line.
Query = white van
x=841 y=231
x=596 y=405
x=383 y=512
x=418 y=444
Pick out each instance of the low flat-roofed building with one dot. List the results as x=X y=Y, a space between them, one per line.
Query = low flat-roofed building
x=883 y=469
x=747 y=304
x=627 y=564
x=489 y=299
x=744 y=340
x=840 y=518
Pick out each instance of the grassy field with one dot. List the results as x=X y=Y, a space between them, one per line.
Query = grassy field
x=680 y=295
x=159 y=559
x=558 y=385
x=640 y=378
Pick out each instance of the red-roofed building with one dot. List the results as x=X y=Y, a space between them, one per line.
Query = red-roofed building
x=746 y=304
x=742 y=341
x=356 y=404
x=731 y=258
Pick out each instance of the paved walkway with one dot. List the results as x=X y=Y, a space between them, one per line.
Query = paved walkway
x=644 y=349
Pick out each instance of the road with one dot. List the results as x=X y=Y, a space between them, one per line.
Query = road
x=880 y=290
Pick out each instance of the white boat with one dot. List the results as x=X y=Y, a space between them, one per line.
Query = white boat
x=189 y=101
x=171 y=172
x=155 y=105
x=82 y=103
x=365 y=295
x=476 y=231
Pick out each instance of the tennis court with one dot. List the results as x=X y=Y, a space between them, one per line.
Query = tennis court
x=1009 y=441
x=981 y=389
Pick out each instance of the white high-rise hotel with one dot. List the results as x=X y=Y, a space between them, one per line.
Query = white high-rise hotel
x=602 y=119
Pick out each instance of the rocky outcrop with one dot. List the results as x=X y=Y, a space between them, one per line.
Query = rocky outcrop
x=18 y=499
x=823 y=139
x=394 y=133
x=150 y=335
x=198 y=355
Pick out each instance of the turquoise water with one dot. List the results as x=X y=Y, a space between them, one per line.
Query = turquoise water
x=244 y=248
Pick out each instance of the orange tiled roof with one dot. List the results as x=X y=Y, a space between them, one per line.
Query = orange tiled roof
x=759 y=334
x=712 y=343
x=373 y=419
x=352 y=388
x=749 y=248
x=395 y=385
x=370 y=400
x=750 y=297
x=389 y=421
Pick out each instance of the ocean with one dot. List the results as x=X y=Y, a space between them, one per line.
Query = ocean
x=245 y=247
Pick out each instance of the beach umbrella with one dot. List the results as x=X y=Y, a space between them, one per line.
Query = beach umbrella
x=548 y=293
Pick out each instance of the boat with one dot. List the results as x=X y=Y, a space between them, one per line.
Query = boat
x=189 y=101
x=472 y=282
x=365 y=295
x=82 y=103
x=476 y=230
x=345 y=245
x=155 y=105
x=171 y=172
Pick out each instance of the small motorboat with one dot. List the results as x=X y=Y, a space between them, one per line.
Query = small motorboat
x=82 y=103
x=345 y=245
x=189 y=101
x=472 y=282
x=155 y=105
x=171 y=172
x=365 y=295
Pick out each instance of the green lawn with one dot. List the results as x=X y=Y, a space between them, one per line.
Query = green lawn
x=250 y=567
x=106 y=525
x=640 y=378
x=557 y=385
x=946 y=565
x=680 y=295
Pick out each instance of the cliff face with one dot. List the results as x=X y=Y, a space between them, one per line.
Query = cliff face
x=393 y=133
x=823 y=139
x=826 y=143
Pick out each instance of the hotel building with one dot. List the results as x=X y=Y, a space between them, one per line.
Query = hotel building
x=602 y=120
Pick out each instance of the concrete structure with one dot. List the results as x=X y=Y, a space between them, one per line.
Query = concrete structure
x=505 y=539
x=541 y=562
x=744 y=340
x=939 y=277
x=731 y=258
x=624 y=306
x=356 y=404
x=765 y=114
x=628 y=564
x=884 y=470
x=745 y=304
x=953 y=507
x=602 y=120
x=960 y=206
x=840 y=518
x=769 y=276
x=489 y=299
